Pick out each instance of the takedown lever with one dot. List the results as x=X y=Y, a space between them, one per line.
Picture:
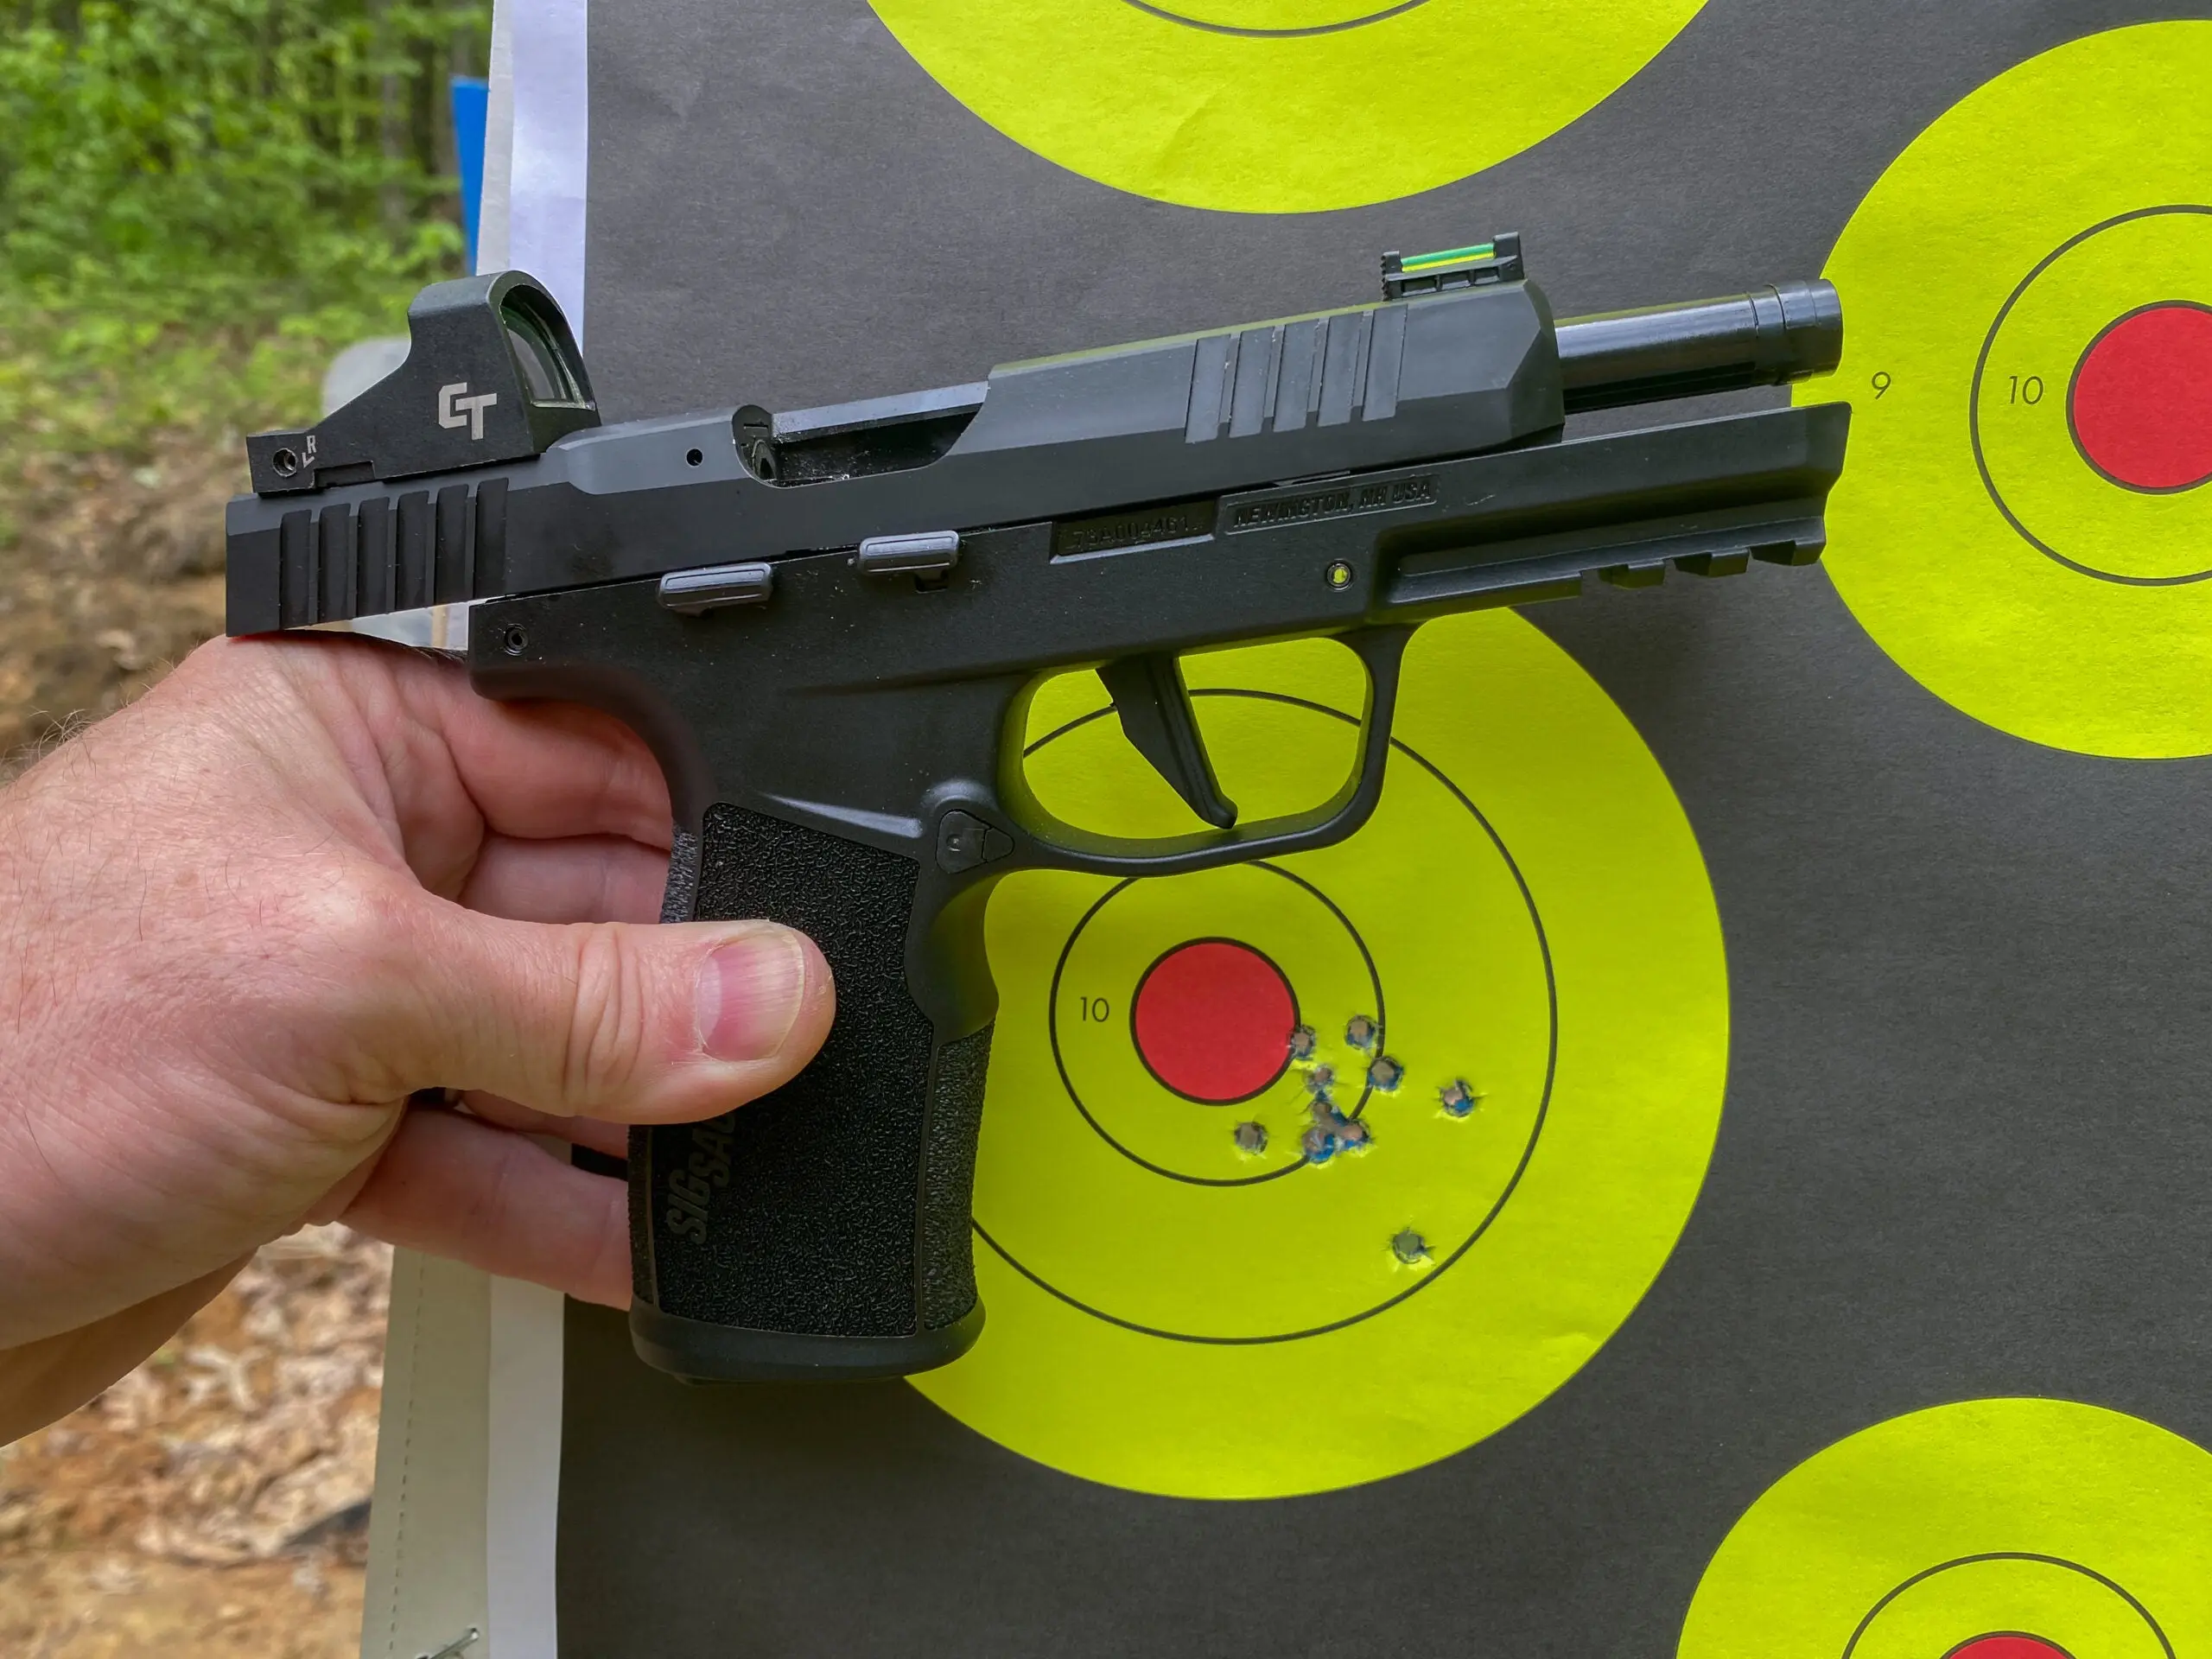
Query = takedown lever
x=1154 y=705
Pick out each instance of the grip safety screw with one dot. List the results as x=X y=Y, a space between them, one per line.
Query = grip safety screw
x=1339 y=576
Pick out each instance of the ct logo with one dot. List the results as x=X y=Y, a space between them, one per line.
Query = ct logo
x=457 y=409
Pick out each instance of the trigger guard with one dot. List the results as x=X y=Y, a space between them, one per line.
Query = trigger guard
x=1055 y=844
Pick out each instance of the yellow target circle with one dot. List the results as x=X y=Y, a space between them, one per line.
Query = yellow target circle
x=1499 y=1027
x=2026 y=523
x=1989 y=1529
x=2025 y=414
x=1282 y=106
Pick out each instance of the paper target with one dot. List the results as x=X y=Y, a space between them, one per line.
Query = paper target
x=1306 y=1172
x=2025 y=524
x=1990 y=1529
x=1282 y=106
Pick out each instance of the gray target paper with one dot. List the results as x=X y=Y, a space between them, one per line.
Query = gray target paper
x=1965 y=1145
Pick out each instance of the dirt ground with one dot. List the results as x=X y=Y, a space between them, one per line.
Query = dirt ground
x=115 y=572
x=215 y=1502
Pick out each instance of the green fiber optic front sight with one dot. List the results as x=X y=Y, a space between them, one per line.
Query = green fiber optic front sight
x=1408 y=276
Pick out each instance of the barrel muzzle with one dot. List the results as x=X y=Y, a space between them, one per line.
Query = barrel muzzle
x=1766 y=338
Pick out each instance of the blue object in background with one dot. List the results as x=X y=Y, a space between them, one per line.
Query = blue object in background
x=471 y=101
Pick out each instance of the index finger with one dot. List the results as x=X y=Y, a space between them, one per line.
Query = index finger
x=532 y=770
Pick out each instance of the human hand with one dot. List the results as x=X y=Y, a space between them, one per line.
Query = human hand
x=243 y=919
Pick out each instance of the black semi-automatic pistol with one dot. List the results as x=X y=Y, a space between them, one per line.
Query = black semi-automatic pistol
x=828 y=625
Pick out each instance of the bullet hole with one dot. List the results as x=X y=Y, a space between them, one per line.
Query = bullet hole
x=1321 y=1079
x=1410 y=1248
x=1303 y=1043
x=1362 y=1032
x=1251 y=1138
x=1459 y=1098
x=1332 y=1132
x=1385 y=1074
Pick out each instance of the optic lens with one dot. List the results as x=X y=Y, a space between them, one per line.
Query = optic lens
x=544 y=372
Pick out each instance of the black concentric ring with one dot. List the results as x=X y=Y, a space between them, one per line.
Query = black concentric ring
x=1167 y=15
x=1974 y=402
x=1850 y=1648
x=1528 y=1150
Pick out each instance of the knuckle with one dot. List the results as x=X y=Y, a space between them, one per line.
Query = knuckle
x=610 y=1015
x=346 y=942
x=308 y=942
x=351 y=923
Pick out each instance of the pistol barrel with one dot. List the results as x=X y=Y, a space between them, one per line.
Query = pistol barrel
x=1766 y=338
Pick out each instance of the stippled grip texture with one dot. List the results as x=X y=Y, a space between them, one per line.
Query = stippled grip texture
x=839 y=1204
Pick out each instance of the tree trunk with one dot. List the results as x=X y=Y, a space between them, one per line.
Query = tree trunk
x=391 y=123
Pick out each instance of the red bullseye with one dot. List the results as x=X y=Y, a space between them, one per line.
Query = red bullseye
x=2010 y=1645
x=2141 y=402
x=1213 y=1020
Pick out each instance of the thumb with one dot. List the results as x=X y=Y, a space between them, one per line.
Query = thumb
x=637 y=1023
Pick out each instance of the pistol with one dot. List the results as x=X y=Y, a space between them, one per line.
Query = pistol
x=828 y=625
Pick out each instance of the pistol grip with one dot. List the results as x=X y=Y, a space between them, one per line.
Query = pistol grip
x=822 y=1231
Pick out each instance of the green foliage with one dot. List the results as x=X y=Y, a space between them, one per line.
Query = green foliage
x=184 y=158
x=76 y=381
x=200 y=198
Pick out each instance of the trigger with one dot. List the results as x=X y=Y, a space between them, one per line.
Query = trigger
x=1154 y=706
